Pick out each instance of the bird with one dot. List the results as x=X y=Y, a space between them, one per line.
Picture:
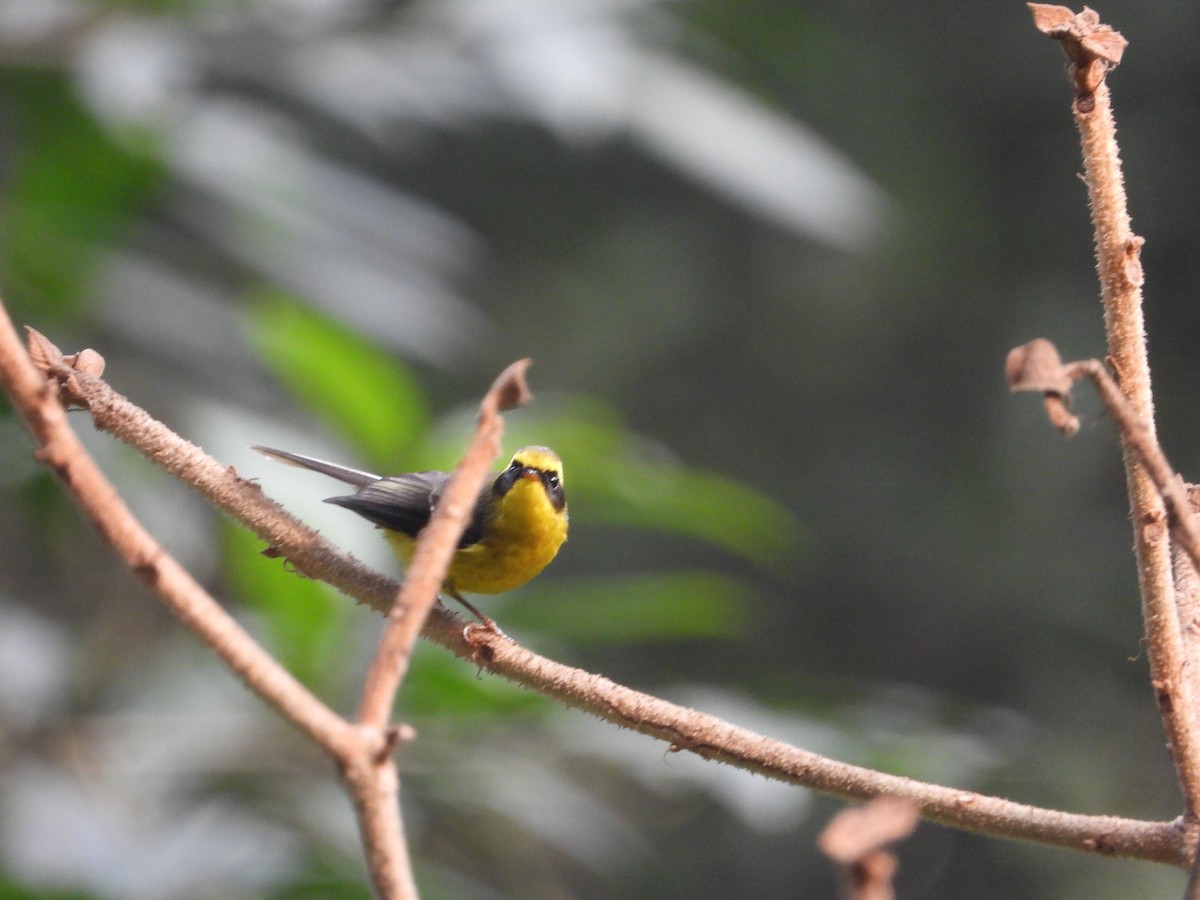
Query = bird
x=516 y=529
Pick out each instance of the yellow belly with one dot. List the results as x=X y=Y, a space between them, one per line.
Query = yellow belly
x=520 y=539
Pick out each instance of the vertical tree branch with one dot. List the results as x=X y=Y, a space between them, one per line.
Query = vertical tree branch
x=1187 y=603
x=373 y=782
x=378 y=780
x=1094 y=49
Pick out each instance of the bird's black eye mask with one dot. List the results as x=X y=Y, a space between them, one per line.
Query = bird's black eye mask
x=550 y=481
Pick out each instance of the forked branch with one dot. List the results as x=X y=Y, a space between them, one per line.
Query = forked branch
x=683 y=729
x=42 y=383
x=1094 y=50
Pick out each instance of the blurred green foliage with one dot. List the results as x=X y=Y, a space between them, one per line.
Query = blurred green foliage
x=306 y=619
x=614 y=477
x=627 y=609
x=13 y=891
x=370 y=398
x=69 y=189
x=442 y=685
x=853 y=520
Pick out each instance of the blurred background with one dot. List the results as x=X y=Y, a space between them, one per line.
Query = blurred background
x=768 y=257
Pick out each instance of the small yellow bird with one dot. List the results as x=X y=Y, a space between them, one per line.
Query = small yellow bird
x=517 y=527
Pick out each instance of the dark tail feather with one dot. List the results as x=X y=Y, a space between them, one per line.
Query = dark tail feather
x=341 y=473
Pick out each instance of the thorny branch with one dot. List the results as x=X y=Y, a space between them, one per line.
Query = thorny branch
x=362 y=754
x=1036 y=367
x=683 y=729
x=372 y=776
x=1094 y=49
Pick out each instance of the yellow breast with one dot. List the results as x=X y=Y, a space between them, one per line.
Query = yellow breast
x=521 y=535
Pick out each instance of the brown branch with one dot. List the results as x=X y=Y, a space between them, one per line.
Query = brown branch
x=683 y=729
x=858 y=838
x=1140 y=437
x=1192 y=890
x=1094 y=49
x=369 y=772
x=376 y=782
x=37 y=401
x=1187 y=601
x=435 y=547
x=373 y=783
x=711 y=738
x=1035 y=367
x=361 y=754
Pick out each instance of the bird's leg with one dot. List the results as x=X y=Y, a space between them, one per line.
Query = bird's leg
x=488 y=622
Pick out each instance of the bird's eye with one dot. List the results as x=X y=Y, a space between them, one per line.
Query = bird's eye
x=553 y=485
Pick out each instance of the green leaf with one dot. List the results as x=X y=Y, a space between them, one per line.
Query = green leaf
x=650 y=607
x=670 y=497
x=68 y=190
x=368 y=395
x=618 y=477
x=306 y=620
x=440 y=684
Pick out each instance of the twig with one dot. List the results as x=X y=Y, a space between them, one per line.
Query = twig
x=436 y=546
x=1094 y=49
x=373 y=783
x=1036 y=367
x=683 y=729
x=376 y=781
x=1187 y=601
x=1140 y=437
x=361 y=754
x=37 y=401
x=714 y=739
x=1192 y=890
x=857 y=839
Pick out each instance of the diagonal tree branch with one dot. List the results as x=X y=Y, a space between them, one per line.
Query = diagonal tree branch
x=1036 y=367
x=362 y=754
x=37 y=401
x=683 y=729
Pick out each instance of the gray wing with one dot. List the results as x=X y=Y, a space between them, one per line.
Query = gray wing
x=404 y=503
x=401 y=503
